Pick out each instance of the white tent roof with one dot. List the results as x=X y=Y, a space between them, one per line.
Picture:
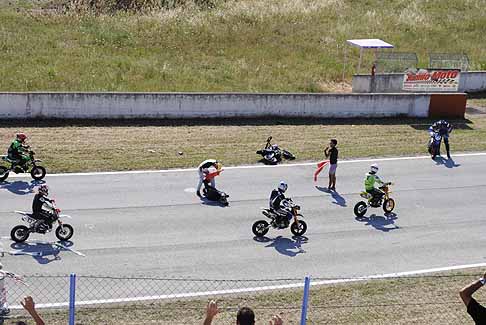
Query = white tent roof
x=370 y=43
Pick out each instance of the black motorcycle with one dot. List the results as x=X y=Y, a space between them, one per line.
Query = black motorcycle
x=298 y=227
x=433 y=145
x=272 y=154
x=37 y=172
x=63 y=231
x=213 y=194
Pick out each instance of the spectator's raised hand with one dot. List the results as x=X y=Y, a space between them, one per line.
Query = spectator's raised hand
x=211 y=311
x=276 y=320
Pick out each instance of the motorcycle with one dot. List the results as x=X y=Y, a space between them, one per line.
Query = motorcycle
x=36 y=171
x=63 y=231
x=272 y=154
x=298 y=227
x=213 y=194
x=386 y=201
x=433 y=145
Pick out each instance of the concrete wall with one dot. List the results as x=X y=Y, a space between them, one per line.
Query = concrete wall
x=208 y=105
x=471 y=81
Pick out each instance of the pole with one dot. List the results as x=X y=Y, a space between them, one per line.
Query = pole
x=305 y=301
x=359 y=62
x=72 y=297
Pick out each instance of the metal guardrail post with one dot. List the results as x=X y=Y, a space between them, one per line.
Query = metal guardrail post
x=72 y=298
x=305 y=301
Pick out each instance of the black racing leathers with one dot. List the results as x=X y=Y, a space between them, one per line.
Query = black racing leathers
x=276 y=198
x=37 y=209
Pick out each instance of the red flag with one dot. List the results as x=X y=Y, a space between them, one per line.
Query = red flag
x=320 y=167
x=212 y=175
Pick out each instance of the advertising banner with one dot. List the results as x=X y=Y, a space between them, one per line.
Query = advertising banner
x=431 y=80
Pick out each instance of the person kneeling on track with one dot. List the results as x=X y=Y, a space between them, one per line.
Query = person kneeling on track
x=276 y=198
x=203 y=170
x=370 y=180
x=39 y=210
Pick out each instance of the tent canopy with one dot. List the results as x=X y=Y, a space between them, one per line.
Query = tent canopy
x=370 y=43
x=373 y=43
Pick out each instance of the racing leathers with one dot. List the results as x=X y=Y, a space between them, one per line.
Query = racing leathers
x=17 y=151
x=442 y=128
x=276 y=198
x=42 y=208
x=370 y=180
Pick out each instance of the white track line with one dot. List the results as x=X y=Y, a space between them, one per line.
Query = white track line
x=256 y=289
x=180 y=170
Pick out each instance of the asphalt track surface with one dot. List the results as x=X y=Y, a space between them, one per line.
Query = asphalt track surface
x=153 y=225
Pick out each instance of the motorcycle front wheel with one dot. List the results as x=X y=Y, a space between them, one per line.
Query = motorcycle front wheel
x=298 y=229
x=19 y=234
x=388 y=205
x=3 y=173
x=64 y=232
x=38 y=173
x=260 y=228
x=360 y=209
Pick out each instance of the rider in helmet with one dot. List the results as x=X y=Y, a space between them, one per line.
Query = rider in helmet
x=276 y=198
x=443 y=128
x=42 y=206
x=370 y=180
x=18 y=149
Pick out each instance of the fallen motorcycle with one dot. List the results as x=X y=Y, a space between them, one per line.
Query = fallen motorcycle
x=272 y=154
x=386 y=201
x=36 y=171
x=298 y=227
x=63 y=231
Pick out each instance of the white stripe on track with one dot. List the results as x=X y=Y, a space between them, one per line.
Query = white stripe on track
x=256 y=289
x=180 y=170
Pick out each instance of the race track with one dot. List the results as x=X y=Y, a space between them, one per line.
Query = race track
x=152 y=224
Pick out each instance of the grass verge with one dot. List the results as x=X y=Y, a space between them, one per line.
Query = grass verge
x=254 y=46
x=432 y=299
x=75 y=146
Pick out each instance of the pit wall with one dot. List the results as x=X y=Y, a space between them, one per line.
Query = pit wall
x=213 y=105
x=469 y=82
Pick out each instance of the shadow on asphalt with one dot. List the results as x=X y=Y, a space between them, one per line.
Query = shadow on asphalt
x=20 y=187
x=383 y=223
x=449 y=163
x=42 y=252
x=338 y=198
x=285 y=246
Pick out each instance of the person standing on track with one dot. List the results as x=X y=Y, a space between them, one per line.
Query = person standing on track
x=331 y=152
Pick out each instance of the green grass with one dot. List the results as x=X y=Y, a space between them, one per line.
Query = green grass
x=70 y=146
x=432 y=299
x=254 y=45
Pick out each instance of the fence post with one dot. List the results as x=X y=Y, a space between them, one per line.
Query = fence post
x=305 y=301
x=72 y=297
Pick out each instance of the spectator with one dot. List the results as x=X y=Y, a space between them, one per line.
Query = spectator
x=245 y=315
x=477 y=312
x=332 y=154
x=29 y=305
x=4 y=310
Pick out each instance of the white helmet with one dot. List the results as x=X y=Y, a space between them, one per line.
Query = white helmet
x=282 y=186
x=374 y=168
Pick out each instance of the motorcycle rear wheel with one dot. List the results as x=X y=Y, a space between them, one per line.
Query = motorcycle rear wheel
x=38 y=173
x=260 y=228
x=19 y=234
x=388 y=205
x=3 y=173
x=300 y=229
x=360 y=209
x=64 y=232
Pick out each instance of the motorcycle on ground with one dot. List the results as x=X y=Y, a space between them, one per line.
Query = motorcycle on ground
x=298 y=226
x=63 y=231
x=386 y=201
x=272 y=154
x=36 y=171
